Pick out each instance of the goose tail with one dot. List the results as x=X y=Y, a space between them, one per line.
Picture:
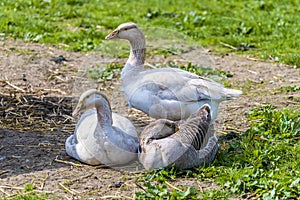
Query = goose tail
x=232 y=93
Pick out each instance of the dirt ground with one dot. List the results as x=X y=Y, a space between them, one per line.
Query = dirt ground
x=36 y=153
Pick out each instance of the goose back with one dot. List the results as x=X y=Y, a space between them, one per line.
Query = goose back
x=192 y=145
x=194 y=130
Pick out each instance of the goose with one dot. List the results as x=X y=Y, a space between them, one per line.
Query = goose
x=100 y=136
x=164 y=93
x=185 y=144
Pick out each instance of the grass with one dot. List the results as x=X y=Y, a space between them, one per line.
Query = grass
x=106 y=73
x=162 y=192
x=288 y=89
x=266 y=29
x=292 y=91
x=215 y=74
x=261 y=163
x=29 y=194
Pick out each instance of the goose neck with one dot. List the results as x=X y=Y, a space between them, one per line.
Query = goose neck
x=136 y=60
x=137 y=57
x=137 y=43
x=104 y=114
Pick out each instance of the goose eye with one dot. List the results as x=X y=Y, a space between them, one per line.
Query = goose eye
x=125 y=29
x=170 y=125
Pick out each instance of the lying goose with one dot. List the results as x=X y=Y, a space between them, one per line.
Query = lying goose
x=164 y=93
x=194 y=143
x=101 y=137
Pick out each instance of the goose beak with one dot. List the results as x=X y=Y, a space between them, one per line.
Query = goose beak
x=176 y=128
x=113 y=35
x=76 y=111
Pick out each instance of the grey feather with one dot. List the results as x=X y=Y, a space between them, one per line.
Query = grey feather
x=192 y=145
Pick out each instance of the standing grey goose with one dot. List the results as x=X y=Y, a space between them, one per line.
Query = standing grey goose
x=101 y=137
x=164 y=93
x=192 y=145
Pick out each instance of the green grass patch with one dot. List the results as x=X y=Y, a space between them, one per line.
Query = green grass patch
x=31 y=196
x=264 y=160
x=287 y=89
x=215 y=74
x=107 y=73
x=29 y=187
x=161 y=191
x=266 y=29
x=261 y=163
x=291 y=91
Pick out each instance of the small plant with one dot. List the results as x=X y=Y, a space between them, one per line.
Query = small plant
x=166 y=51
x=208 y=72
x=107 y=73
x=274 y=124
x=29 y=187
x=169 y=173
x=288 y=89
x=160 y=191
x=31 y=196
x=68 y=183
x=162 y=175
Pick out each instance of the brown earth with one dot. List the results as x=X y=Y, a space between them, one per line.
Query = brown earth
x=32 y=148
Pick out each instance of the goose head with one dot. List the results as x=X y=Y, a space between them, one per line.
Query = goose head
x=160 y=128
x=204 y=112
x=91 y=99
x=128 y=31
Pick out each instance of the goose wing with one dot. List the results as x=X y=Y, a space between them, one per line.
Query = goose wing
x=176 y=84
x=159 y=129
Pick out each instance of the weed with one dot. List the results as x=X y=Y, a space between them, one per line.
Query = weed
x=160 y=191
x=208 y=72
x=288 y=89
x=31 y=196
x=29 y=187
x=68 y=183
x=166 y=51
x=274 y=124
x=170 y=173
x=109 y=72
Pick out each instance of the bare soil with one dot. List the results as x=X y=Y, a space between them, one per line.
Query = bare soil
x=32 y=149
